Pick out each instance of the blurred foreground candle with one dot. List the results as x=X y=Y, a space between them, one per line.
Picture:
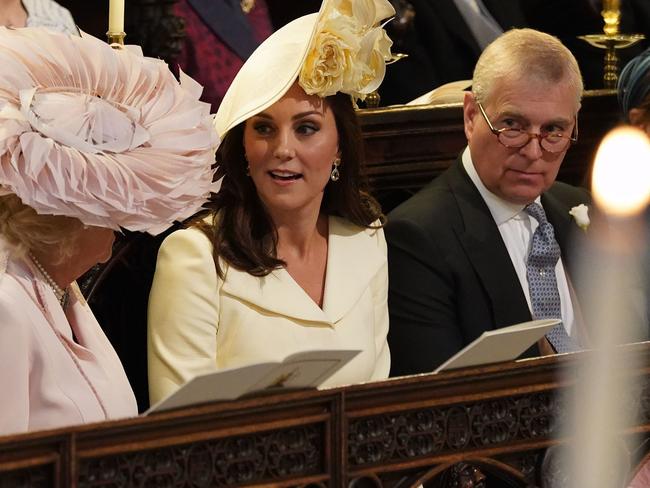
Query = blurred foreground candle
x=621 y=175
x=116 y=16
x=604 y=400
x=611 y=4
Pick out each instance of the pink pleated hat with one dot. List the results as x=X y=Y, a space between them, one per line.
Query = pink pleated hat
x=107 y=136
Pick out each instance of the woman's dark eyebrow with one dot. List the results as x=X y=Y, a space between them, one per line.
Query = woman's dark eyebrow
x=262 y=115
x=306 y=114
x=301 y=115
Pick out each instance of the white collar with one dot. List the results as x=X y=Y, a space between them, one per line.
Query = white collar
x=501 y=210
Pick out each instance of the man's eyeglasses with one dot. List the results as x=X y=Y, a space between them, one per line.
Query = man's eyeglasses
x=553 y=142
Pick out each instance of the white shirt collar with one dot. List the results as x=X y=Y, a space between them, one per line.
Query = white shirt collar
x=501 y=209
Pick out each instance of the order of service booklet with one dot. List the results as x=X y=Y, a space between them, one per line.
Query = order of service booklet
x=306 y=369
x=495 y=346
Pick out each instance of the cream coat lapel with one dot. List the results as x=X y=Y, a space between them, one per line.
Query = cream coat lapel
x=276 y=293
x=353 y=260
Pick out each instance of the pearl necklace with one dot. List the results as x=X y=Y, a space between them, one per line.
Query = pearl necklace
x=61 y=294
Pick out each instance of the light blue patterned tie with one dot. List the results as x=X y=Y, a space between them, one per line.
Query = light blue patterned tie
x=542 y=283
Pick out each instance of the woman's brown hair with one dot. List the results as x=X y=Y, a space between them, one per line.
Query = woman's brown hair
x=242 y=232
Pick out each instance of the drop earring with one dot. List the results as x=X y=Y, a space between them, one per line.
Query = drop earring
x=335 y=174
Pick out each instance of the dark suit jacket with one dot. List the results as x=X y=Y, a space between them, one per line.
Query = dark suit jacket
x=450 y=274
x=440 y=46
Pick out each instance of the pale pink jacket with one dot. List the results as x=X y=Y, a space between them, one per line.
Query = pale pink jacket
x=47 y=379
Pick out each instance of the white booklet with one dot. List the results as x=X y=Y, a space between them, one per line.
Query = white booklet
x=495 y=346
x=307 y=369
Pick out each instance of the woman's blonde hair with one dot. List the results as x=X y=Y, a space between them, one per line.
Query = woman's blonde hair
x=26 y=230
x=525 y=54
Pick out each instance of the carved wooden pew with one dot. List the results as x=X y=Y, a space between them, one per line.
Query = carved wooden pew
x=496 y=421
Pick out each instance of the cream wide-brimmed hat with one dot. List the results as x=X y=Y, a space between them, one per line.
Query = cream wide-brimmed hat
x=106 y=136
x=342 y=48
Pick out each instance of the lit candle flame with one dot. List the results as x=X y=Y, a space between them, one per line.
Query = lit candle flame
x=621 y=175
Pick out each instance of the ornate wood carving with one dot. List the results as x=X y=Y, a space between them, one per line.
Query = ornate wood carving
x=527 y=463
x=497 y=421
x=295 y=452
x=33 y=477
x=463 y=475
x=445 y=430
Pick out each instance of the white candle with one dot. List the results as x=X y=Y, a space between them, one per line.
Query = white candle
x=611 y=284
x=116 y=16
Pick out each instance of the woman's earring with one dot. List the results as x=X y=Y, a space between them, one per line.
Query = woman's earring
x=248 y=165
x=335 y=174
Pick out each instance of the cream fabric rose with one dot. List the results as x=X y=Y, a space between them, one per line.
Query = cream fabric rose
x=375 y=50
x=350 y=51
x=325 y=70
x=581 y=215
x=367 y=12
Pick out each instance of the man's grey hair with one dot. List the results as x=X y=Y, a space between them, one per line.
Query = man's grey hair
x=529 y=55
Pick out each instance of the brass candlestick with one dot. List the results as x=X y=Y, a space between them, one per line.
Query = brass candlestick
x=611 y=40
x=116 y=39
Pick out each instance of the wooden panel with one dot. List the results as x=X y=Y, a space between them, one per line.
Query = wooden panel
x=493 y=421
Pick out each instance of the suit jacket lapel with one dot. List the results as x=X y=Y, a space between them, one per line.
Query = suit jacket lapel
x=226 y=19
x=353 y=260
x=276 y=293
x=485 y=249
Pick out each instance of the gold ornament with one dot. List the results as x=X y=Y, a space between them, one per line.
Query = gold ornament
x=247 y=5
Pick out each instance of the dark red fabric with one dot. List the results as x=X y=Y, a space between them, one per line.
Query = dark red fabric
x=206 y=58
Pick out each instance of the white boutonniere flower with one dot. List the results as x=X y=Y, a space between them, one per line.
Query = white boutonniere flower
x=581 y=215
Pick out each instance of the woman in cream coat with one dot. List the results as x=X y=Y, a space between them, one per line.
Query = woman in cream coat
x=292 y=255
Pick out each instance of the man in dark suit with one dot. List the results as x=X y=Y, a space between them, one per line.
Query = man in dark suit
x=441 y=44
x=458 y=249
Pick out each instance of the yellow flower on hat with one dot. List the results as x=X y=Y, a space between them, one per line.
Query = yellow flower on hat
x=342 y=48
x=372 y=57
x=327 y=67
x=349 y=51
x=368 y=13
